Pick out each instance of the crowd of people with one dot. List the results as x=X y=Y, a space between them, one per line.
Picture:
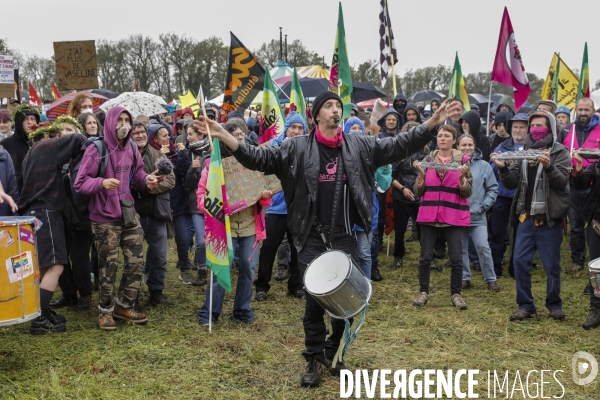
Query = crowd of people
x=103 y=181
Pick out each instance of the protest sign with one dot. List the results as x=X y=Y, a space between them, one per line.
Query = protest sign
x=245 y=187
x=7 y=76
x=76 y=65
x=378 y=111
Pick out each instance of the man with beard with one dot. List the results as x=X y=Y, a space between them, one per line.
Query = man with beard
x=325 y=199
x=540 y=203
x=411 y=113
x=584 y=133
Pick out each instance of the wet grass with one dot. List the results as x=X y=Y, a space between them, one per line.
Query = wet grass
x=173 y=357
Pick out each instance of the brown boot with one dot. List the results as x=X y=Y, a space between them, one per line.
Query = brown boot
x=106 y=322
x=130 y=315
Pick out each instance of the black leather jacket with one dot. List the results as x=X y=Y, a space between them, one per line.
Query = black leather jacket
x=296 y=163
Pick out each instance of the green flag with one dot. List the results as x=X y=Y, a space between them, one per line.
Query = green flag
x=272 y=117
x=457 y=85
x=297 y=102
x=583 y=90
x=340 y=78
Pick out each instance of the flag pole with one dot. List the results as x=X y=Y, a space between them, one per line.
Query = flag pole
x=198 y=99
x=488 y=112
x=387 y=16
x=210 y=302
x=280 y=89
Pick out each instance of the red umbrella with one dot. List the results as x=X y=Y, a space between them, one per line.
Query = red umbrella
x=60 y=106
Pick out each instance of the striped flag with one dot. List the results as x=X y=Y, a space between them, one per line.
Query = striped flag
x=217 y=232
x=386 y=37
x=340 y=77
x=583 y=89
x=297 y=102
x=271 y=116
x=457 y=85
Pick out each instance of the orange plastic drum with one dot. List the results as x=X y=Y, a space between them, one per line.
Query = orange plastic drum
x=19 y=273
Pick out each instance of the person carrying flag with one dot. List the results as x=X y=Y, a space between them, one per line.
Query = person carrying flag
x=314 y=201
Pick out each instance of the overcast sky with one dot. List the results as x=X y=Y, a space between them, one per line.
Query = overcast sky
x=427 y=32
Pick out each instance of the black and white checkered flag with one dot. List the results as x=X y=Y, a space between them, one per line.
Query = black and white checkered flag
x=385 y=26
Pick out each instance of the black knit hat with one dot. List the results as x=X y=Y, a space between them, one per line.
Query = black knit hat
x=321 y=99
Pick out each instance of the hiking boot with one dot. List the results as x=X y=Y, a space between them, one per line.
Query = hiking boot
x=299 y=294
x=312 y=375
x=281 y=273
x=130 y=315
x=186 y=277
x=557 y=314
x=421 y=299
x=337 y=370
x=593 y=320
x=64 y=301
x=106 y=321
x=45 y=323
x=575 y=268
x=260 y=296
x=414 y=237
x=201 y=278
x=96 y=281
x=375 y=274
x=458 y=302
x=57 y=318
x=158 y=299
x=520 y=315
x=466 y=284
x=397 y=263
x=434 y=266
x=493 y=286
x=84 y=303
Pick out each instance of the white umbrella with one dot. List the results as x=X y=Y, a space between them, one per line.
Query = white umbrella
x=137 y=103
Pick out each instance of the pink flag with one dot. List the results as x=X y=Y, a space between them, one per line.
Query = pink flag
x=508 y=65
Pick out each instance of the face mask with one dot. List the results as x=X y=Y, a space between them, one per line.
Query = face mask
x=123 y=130
x=539 y=132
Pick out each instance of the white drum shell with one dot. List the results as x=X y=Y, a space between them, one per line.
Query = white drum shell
x=337 y=284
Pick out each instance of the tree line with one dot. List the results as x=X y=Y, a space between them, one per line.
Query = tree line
x=174 y=63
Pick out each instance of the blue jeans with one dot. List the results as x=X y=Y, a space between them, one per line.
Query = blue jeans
x=155 y=234
x=479 y=236
x=546 y=240
x=198 y=221
x=184 y=233
x=243 y=293
x=363 y=244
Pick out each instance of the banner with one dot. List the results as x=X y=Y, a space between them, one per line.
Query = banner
x=272 y=118
x=387 y=58
x=7 y=76
x=55 y=92
x=457 y=85
x=245 y=77
x=340 y=77
x=297 y=102
x=188 y=100
x=508 y=65
x=583 y=89
x=76 y=67
x=567 y=81
x=33 y=96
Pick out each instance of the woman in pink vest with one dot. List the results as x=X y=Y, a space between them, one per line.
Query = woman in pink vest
x=444 y=206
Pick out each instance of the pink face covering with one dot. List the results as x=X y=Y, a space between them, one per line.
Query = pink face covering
x=538 y=132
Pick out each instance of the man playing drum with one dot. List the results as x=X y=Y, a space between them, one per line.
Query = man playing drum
x=327 y=178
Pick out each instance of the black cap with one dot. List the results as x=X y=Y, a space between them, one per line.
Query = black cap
x=321 y=99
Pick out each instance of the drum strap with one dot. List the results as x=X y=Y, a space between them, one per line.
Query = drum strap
x=339 y=181
x=349 y=336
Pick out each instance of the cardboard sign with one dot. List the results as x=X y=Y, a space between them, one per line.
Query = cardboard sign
x=378 y=110
x=244 y=186
x=76 y=66
x=7 y=76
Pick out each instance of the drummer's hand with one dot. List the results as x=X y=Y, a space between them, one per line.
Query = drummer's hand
x=578 y=159
x=499 y=163
x=6 y=198
x=544 y=159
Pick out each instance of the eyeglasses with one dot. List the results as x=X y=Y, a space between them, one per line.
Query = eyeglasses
x=237 y=135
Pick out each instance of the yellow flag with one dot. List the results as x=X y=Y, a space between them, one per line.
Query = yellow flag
x=188 y=100
x=567 y=80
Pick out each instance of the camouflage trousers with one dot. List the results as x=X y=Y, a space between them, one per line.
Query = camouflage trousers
x=109 y=236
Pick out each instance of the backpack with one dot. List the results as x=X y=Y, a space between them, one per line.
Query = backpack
x=81 y=201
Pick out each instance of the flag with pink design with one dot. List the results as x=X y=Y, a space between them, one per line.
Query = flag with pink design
x=508 y=65
x=217 y=231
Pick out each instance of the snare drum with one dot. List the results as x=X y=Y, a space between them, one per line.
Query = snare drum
x=594 y=267
x=337 y=284
x=19 y=273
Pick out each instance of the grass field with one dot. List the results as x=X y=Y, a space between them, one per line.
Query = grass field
x=173 y=357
